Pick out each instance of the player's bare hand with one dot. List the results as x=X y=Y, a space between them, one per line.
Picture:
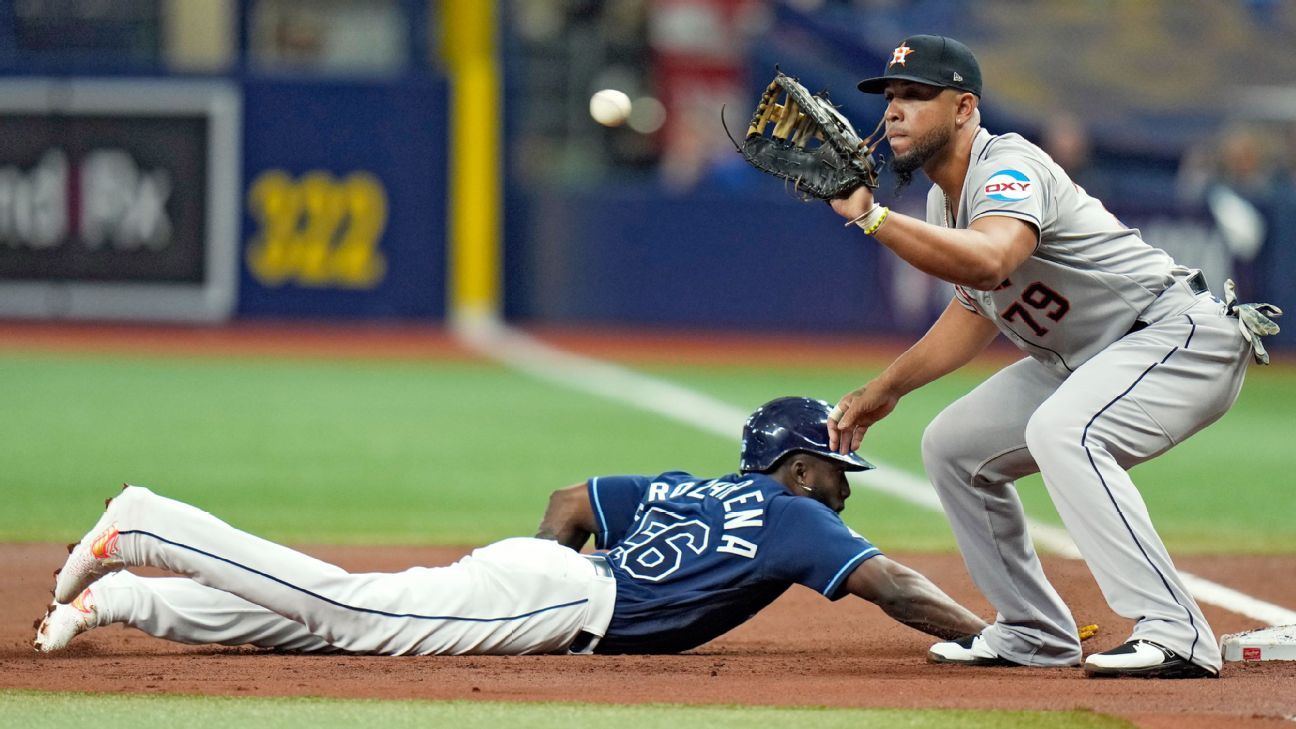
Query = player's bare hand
x=856 y=412
x=854 y=205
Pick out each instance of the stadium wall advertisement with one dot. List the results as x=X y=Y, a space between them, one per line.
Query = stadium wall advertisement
x=751 y=261
x=117 y=198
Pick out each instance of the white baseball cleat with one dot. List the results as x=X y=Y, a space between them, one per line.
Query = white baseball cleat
x=1143 y=659
x=93 y=557
x=970 y=650
x=62 y=623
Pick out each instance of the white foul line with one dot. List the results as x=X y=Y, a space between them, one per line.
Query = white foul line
x=701 y=411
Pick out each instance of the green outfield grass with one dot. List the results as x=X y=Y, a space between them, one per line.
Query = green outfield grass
x=467 y=452
x=459 y=453
x=29 y=709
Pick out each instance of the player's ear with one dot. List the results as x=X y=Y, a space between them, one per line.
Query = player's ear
x=800 y=464
x=966 y=111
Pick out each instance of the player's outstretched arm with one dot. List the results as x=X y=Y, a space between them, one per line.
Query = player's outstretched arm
x=569 y=518
x=956 y=337
x=912 y=599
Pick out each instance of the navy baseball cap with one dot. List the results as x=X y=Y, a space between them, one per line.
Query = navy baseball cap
x=789 y=425
x=929 y=59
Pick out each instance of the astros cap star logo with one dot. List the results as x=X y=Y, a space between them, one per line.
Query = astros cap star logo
x=898 y=55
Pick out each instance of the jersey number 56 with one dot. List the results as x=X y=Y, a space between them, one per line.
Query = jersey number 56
x=660 y=545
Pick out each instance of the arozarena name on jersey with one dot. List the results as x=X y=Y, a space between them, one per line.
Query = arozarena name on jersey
x=741 y=510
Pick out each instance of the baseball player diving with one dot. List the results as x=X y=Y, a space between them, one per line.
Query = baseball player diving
x=1128 y=355
x=686 y=559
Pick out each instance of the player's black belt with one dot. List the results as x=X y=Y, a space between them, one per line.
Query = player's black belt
x=1196 y=284
x=585 y=638
x=582 y=642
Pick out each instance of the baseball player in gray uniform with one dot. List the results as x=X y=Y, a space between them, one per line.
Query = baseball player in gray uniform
x=1129 y=354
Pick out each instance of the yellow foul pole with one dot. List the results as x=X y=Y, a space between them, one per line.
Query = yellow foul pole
x=475 y=185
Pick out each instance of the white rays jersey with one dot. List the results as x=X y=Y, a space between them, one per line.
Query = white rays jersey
x=1089 y=277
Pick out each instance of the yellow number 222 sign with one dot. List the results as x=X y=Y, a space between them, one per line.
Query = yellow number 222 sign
x=317 y=230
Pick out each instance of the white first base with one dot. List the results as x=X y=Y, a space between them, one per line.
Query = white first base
x=1261 y=644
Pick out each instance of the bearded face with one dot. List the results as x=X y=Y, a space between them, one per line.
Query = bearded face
x=922 y=150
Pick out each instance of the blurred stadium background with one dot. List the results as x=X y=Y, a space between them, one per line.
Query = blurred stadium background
x=422 y=160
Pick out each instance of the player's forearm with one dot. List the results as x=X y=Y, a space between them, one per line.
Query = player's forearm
x=569 y=518
x=961 y=256
x=923 y=606
x=954 y=340
x=566 y=535
x=912 y=599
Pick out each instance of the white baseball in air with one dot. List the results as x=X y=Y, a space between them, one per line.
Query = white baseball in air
x=610 y=107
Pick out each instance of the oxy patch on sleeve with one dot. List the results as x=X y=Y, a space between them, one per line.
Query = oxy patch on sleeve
x=1009 y=185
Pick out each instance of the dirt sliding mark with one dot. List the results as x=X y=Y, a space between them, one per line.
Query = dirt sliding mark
x=803 y=650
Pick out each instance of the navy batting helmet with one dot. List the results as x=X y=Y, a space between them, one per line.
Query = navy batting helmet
x=788 y=425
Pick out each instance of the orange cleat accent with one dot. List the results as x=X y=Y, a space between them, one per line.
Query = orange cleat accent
x=62 y=623
x=105 y=545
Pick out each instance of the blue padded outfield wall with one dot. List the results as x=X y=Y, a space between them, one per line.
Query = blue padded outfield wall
x=340 y=201
x=340 y=198
x=343 y=199
x=638 y=255
x=754 y=260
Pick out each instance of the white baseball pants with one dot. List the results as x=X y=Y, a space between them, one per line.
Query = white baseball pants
x=513 y=597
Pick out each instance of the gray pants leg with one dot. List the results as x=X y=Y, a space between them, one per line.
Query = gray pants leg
x=1132 y=402
x=973 y=451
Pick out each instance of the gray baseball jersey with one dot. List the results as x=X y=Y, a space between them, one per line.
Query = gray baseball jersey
x=1127 y=359
x=1089 y=277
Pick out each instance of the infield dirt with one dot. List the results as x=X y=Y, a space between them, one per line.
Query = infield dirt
x=803 y=650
